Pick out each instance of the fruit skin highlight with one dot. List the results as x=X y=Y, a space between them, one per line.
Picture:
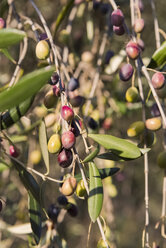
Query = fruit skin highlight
x=158 y=80
x=65 y=158
x=132 y=50
x=68 y=139
x=67 y=113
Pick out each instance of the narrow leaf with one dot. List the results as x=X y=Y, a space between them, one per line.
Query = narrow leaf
x=95 y=198
x=92 y=155
x=120 y=147
x=158 y=57
x=25 y=88
x=111 y=156
x=27 y=179
x=8 y=55
x=43 y=145
x=63 y=13
x=107 y=172
x=35 y=217
x=10 y=36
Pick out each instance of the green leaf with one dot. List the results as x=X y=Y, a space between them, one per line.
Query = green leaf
x=43 y=145
x=8 y=55
x=63 y=13
x=112 y=156
x=10 y=36
x=26 y=87
x=120 y=147
x=92 y=155
x=95 y=198
x=27 y=179
x=107 y=172
x=35 y=217
x=158 y=57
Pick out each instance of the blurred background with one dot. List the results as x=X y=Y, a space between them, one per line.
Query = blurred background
x=124 y=206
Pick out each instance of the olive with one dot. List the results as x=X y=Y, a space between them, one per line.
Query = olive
x=35 y=156
x=54 y=143
x=69 y=186
x=42 y=49
x=153 y=123
x=161 y=160
x=135 y=129
x=80 y=190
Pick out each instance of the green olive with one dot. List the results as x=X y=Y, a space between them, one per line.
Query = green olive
x=132 y=94
x=161 y=160
x=64 y=36
x=54 y=143
x=42 y=49
x=69 y=186
x=80 y=190
x=35 y=156
x=50 y=100
x=135 y=129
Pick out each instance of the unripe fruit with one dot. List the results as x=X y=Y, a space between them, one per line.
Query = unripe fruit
x=80 y=190
x=65 y=158
x=67 y=113
x=155 y=110
x=87 y=57
x=126 y=72
x=73 y=84
x=64 y=36
x=69 y=186
x=161 y=160
x=54 y=143
x=2 y=23
x=50 y=119
x=158 y=80
x=50 y=100
x=119 y=30
x=40 y=111
x=101 y=244
x=53 y=212
x=148 y=138
x=14 y=152
x=62 y=200
x=139 y=25
x=68 y=139
x=132 y=94
x=77 y=101
x=117 y=18
x=136 y=128
x=42 y=49
x=35 y=156
x=132 y=50
x=162 y=92
x=72 y=210
x=153 y=124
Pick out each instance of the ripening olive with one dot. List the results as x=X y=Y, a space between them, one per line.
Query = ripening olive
x=153 y=123
x=139 y=25
x=14 y=152
x=69 y=186
x=161 y=160
x=42 y=49
x=132 y=50
x=54 y=143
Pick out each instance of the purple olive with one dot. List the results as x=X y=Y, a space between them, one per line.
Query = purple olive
x=126 y=72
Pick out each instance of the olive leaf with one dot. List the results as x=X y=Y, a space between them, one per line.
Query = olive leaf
x=95 y=198
x=35 y=217
x=92 y=155
x=120 y=147
x=158 y=57
x=26 y=87
x=27 y=179
x=10 y=36
x=43 y=145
